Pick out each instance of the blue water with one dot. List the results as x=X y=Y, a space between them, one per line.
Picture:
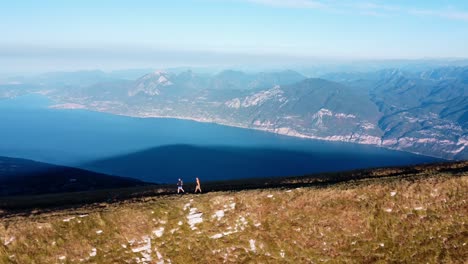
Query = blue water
x=29 y=129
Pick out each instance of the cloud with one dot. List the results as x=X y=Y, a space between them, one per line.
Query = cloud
x=290 y=3
x=367 y=8
x=449 y=14
x=374 y=6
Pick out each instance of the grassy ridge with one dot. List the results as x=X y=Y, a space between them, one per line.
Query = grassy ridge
x=419 y=218
x=26 y=204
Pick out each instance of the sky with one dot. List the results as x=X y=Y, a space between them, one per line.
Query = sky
x=88 y=34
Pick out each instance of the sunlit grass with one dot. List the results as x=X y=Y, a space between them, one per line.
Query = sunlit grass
x=412 y=221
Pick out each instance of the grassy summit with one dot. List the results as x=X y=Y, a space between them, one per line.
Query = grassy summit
x=417 y=219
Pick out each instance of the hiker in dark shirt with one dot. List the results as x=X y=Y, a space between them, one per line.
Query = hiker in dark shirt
x=180 y=183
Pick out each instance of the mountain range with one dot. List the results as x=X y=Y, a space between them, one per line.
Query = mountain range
x=421 y=112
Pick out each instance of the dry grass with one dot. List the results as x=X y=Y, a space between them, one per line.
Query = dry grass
x=426 y=220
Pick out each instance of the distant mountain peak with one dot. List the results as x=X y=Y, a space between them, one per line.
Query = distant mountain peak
x=230 y=71
x=160 y=72
x=153 y=75
x=151 y=83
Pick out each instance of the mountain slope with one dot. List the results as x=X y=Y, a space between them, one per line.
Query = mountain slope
x=414 y=215
x=314 y=108
x=423 y=114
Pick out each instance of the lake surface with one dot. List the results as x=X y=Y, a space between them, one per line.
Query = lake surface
x=160 y=150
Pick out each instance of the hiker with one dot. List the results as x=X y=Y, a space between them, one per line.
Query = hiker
x=179 y=186
x=197 y=188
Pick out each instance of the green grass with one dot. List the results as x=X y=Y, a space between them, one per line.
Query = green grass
x=426 y=221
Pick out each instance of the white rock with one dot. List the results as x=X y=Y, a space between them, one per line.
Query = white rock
x=194 y=218
x=159 y=232
x=241 y=223
x=218 y=214
x=229 y=232
x=9 y=240
x=252 y=245
x=263 y=96
x=160 y=257
x=234 y=103
x=99 y=232
x=393 y=193
x=216 y=236
x=93 y=252
x=145 y=249
x=68 y=219
x=270 y=196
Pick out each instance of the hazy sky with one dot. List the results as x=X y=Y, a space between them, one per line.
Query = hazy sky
x=149 y=33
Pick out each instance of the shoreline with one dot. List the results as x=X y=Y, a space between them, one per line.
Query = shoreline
x=278 y=131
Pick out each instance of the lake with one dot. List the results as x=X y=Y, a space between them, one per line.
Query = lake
x=161 y=150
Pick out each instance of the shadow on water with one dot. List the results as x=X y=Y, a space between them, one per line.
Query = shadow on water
x=167 y=163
